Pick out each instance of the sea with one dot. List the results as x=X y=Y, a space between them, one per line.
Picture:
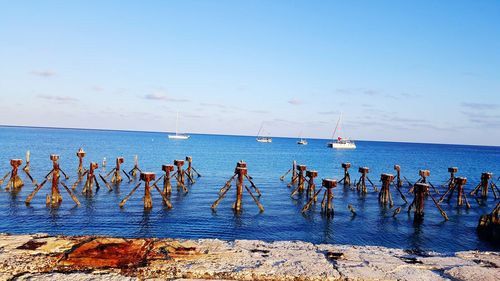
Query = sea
x=215 y=157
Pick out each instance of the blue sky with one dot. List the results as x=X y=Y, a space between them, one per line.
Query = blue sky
x=419 y=71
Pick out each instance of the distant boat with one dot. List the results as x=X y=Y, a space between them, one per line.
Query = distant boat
x=178 y=136
x=262 y=138
x=340 y=142
x=302 y=142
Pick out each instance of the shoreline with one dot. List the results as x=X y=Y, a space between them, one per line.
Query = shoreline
x=47 y=257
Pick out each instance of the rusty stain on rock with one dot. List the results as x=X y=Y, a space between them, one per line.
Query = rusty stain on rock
x=31 y=245
x=108 y=253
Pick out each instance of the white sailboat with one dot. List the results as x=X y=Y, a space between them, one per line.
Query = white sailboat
x=340 y=142
x=178 y=136
x=301 y=141
x=262 y=138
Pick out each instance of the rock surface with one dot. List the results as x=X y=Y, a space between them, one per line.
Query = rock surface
x=44 y=257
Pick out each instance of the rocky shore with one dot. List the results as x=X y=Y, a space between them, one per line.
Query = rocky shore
x=44 y=257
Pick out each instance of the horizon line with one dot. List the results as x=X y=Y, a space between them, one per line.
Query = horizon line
x=232 y=135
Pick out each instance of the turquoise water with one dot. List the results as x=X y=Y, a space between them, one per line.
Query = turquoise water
x=215 y=158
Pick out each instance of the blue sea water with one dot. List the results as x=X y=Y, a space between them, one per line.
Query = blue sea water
x=215 y=158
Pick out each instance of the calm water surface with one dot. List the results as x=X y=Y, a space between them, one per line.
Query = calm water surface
x=215 y=158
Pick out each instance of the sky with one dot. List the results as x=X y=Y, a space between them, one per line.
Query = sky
x=412 y=71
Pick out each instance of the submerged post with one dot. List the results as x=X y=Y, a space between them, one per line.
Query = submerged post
x=346 y=180
x=301 y=178
x=488 y=227
x=55 y=198
x=180 y=172
x=15 y=181
x=327 y=202
x=459 y=183
x=147 y=177
x=240 y=173
x=167 y=186
x=293 y=179
x=135 y=171
x=27 y=166
x=311 y=186
x=420 y=190
x=80 y=154
x=87 y=188
x=485 y=185
x=424 y=174
x=361 y=185
x=117 y=178
x=385 y=195
x=399 y=181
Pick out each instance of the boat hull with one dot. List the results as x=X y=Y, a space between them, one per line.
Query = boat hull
x=342 y=145
x=264 y=140
x=178 y=137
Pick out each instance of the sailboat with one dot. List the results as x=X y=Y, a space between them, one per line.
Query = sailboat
x=339 y=142
x=178 y=136
x=261 y=138
x=301 y=141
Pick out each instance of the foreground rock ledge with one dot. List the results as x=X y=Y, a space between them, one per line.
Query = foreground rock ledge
x=44 y=257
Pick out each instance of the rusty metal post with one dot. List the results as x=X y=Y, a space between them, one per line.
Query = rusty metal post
x=484 y=185
x=346 y=180
x=385 y=196
x=451 y=180
x=327 y=202
x=55 y=198
x=27 y=166
x=423 y=175
x=15 y=181
x=147 y=177
x=301 y=185
x=399 y=181
x=420 y=190
x=189 y=170
x=180 y=172
x=488 y=227
x=87 y=188
x=136 y=169
x=167 y=186
x=485 y=179
x=311 y=187
x=459 y=183
x=80 y=154
x=241 y=172
x=294 y=177
x=361 y=186
x=117 y=178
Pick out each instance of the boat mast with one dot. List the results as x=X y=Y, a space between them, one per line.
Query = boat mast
x=337 y=127
x=262 y=125
x=177 y=123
